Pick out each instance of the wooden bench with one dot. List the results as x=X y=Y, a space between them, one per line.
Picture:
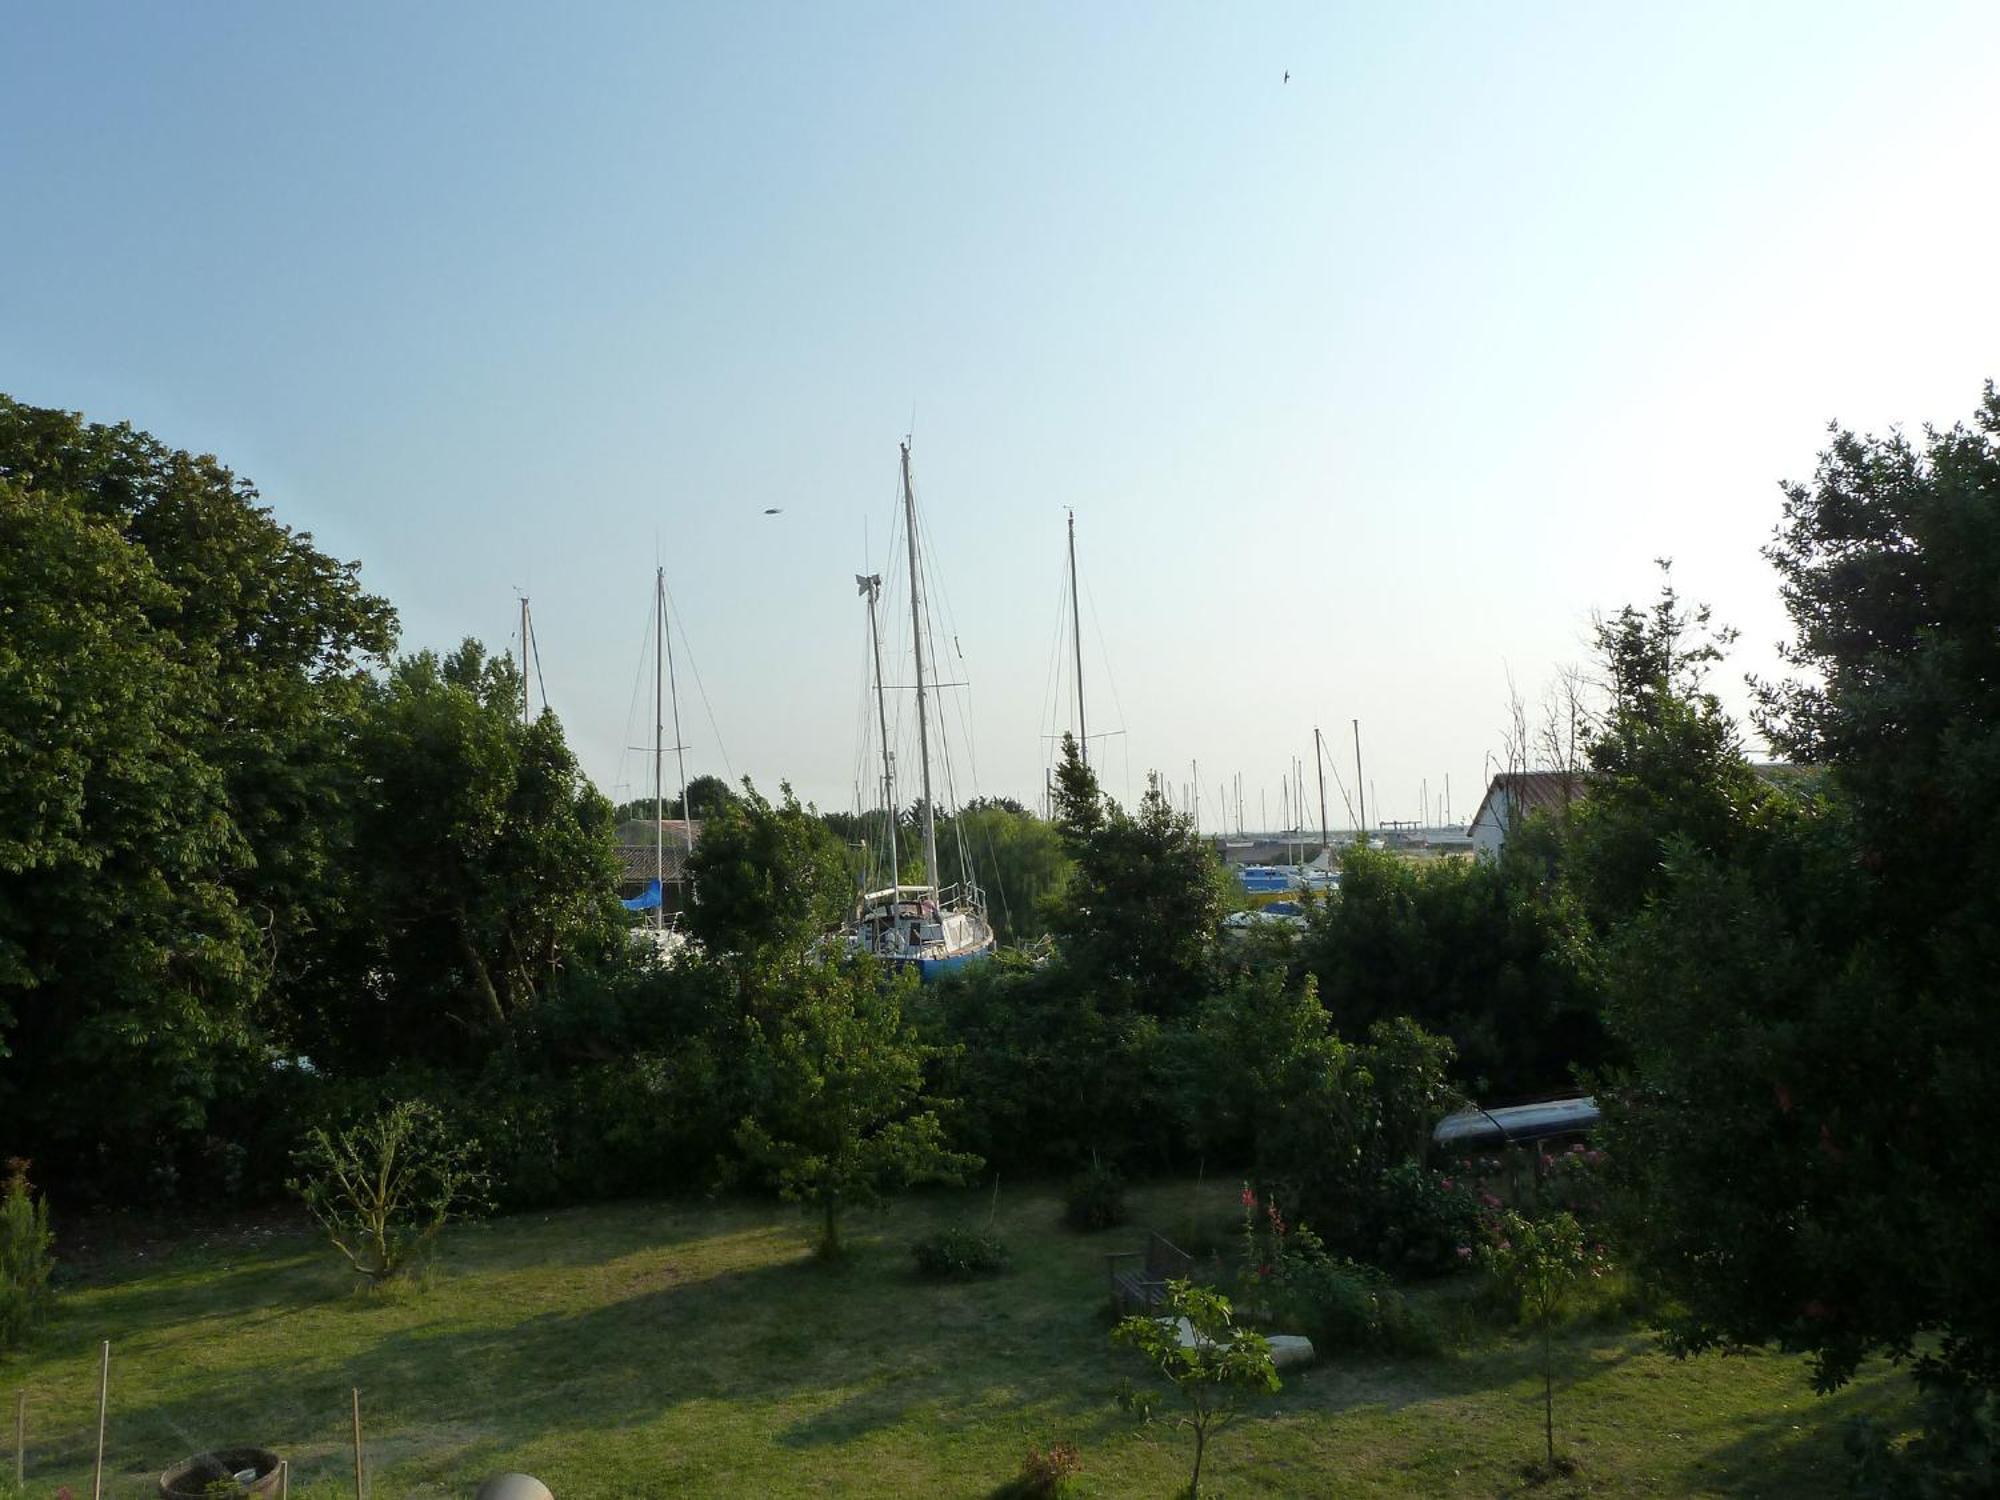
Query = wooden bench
x=1139 y=1277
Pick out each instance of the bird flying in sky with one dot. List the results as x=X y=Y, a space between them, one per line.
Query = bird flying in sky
x=774 y=510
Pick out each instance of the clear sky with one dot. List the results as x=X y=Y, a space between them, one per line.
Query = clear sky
x=1366 y=387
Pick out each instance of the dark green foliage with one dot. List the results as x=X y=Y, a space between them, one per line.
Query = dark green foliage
x=768 y=880
x=25 y=1262
x=486 y=873
x=1015 y=856
x=1476 y=950
x=958 y=1254
x=177 y=676
x=1805 y=973
x=1140 y=918
x=1956 y=1458
x=838 y=1115
x=1287 y=1274
x=706 y=794
x=1095 y=1200
x=1424 y=1220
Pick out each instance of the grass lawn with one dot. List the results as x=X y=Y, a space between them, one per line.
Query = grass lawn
x=682 y=1349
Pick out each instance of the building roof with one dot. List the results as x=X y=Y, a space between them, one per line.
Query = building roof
x=636 y=848
x=1535 y=791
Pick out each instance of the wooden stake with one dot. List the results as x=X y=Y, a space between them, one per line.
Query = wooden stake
x=21 y=1439
x=359 y=1493
x=103 y=1400
x=284 y=1479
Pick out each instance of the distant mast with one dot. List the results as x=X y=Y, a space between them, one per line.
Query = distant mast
x=1359 y=783
x=659 y=748
x=1319 y=764
x=871 y=586
x=680 y=745
x=1076 y=635
x=917 y=641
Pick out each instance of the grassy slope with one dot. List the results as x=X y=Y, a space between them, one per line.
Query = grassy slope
x=688 y=1350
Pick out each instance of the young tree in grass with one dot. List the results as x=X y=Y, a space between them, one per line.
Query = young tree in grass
x=1541 y=1262
x=1215 y=1370
x=841 y=1120
x=25 y=1264
x=383 y=1188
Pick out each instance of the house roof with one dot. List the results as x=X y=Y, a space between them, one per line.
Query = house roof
x=637 y=853
x=1535 y=791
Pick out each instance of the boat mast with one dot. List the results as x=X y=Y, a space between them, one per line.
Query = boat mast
x=1359 y=783
x=917 y=640
x=872 y=587
x=1076 y=633
x=659 y=729
x=525 y=628
x=680 y=745
x=1319 y=764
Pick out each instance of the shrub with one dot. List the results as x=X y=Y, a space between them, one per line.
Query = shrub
x=1096 y=1200
x=1422 y=1220
x=382 y=1189
x=25 y=1263
x=1291 y=1278
x=958 y=1254
x=1046 y=1474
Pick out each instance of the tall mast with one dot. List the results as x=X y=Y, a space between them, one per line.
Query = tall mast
x=680 y=745
x=917 y=640
x=1076 y=633
x=659 y=742
x=1319 y=764
x=1358 y=782
x=872 y=587
x=524 y=661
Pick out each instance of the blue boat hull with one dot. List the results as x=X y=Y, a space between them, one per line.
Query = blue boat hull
x=929 y=969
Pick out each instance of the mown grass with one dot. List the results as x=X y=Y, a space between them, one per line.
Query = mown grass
x=690 y=1350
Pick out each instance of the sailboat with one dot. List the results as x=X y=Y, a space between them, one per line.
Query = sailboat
x=660 y=931
x=931 y=928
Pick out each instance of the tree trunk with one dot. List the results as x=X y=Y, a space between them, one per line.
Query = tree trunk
x=480 y=976
x=1194 y=1483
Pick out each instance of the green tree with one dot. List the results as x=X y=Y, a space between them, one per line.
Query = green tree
x=1215 y=1367
x=1481 y=951
x=25 y=1263
x=1140 y=917
x=1015 y=856
x=178 y=672
x=487 y=870
x=381 y=1189
x=706 y=794
x=1808 y=991
x=1539 y=1264
x=769 y=880
x=840 y=1119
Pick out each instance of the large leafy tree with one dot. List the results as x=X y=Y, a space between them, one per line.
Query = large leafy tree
x=769 y=878
x=486 y=868
x=177 y=669
x=840 y=1118
x=1481 y=951
x=1810 y=991
x=1140 y=917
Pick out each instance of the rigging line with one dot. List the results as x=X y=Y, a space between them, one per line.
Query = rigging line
x=535 y=645
x=642 y=656
x=1111 y=681
x=1339 y=786
x=674 y=615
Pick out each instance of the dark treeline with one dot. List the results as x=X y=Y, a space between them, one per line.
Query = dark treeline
x=257 y=872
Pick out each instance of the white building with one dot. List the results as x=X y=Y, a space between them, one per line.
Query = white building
x=1515 y=794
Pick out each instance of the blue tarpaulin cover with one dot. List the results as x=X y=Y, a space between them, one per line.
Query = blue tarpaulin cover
x=646 y=900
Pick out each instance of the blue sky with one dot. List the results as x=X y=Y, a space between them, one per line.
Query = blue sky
x=1367 y=388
